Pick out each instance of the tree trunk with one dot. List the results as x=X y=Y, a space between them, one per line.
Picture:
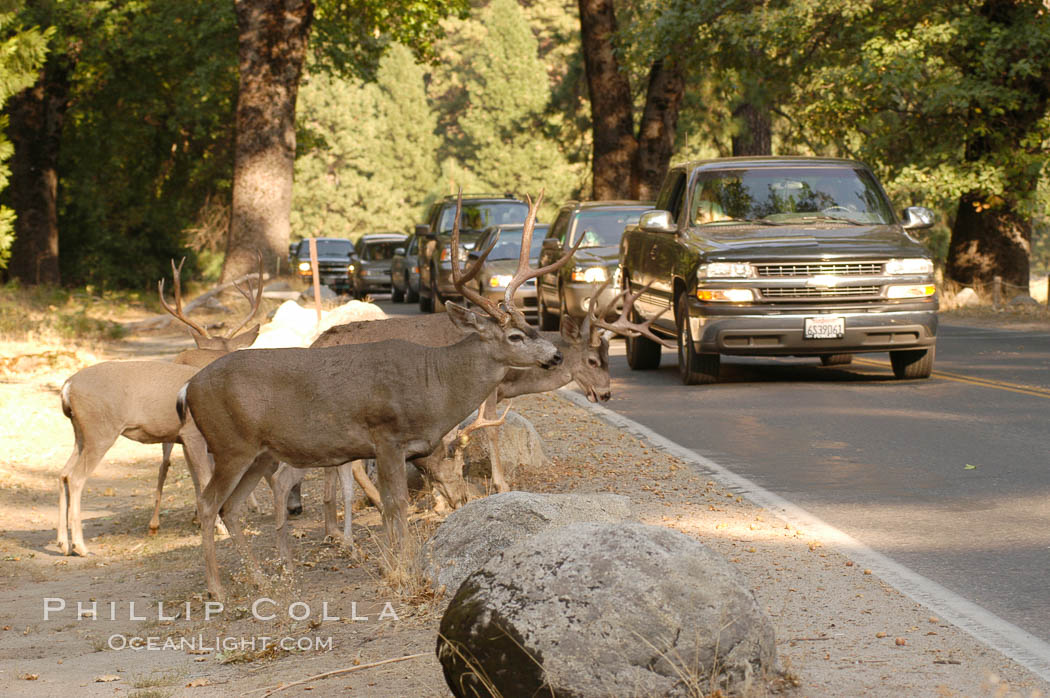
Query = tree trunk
x=35 y=129
x=989 y=242
x=610 y=93
x=756 y=130
x=657 y=129
x=272 y=40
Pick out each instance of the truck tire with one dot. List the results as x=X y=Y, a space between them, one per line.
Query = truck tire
x=836 y=359
x=643 y=354
x=547 y=321
x=437 y=303
x=912 y=363
x=410 y=295
x=426 y=303
x=397 y=295
x=694 y=368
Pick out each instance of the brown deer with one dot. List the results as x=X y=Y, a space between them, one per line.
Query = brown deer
x=135 y=399
x=326 y=406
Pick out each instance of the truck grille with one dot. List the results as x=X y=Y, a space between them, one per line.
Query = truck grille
x=820 y=269
x=807 y=292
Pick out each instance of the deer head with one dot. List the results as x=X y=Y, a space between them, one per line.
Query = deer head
x=210 y=347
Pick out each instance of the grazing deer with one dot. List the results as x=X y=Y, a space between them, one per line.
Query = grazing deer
x=135 y=399
x=323 y=407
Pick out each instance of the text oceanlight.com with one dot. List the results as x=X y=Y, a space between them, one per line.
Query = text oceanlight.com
x=219 y=643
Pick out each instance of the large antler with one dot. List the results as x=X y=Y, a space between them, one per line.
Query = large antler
x=623 y=324
x=176 y=273
x=177 y=312
x=461 y=277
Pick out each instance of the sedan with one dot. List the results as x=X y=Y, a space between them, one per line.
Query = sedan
x=499 y=267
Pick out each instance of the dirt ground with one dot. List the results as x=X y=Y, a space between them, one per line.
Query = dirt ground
x=841 y=631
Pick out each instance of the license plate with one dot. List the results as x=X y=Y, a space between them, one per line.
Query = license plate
x=824 y=328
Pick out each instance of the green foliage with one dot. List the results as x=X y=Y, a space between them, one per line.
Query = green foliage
x=366 y=151
x=148 y=134
x=52 y=312
x=22 y=52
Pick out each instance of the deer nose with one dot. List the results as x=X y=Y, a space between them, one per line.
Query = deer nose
x=554 y=360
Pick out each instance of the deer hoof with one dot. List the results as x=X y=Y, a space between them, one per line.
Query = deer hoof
x=79 y=550
x=153 y=530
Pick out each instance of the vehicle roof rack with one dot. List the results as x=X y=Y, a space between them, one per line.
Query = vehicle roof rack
x=483 y=195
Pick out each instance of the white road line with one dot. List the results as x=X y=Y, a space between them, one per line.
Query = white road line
x=1014 y=642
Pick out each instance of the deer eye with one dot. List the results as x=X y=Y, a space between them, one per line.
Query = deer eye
x=516 y=337
x=592 y=362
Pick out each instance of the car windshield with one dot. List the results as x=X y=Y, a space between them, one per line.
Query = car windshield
x=602 y=228
x=479 y=216
x=328 y=248
x=509 y=244
x=783 y=196
x=380 y=251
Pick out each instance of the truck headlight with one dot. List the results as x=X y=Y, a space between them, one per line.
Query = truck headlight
x=725 y=270
x=446 y=254
x=916 y=291
x=911 y=265
x=350 y=268
x=304 y=267
x=500 y=280
x=726 y=295
x=590 y=275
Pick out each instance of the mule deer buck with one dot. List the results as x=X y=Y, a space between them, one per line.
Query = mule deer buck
x=326 y=406
x=135 y=399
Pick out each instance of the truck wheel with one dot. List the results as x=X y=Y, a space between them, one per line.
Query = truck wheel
x=643 y=354
x=548 y=322
x=410 y=295
x=426 y=303
x=912 y=363
x=694 y=368
x=836 y=359
x=396 y=294
x=437 y=303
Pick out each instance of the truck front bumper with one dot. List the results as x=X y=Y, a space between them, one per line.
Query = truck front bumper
x=782 y=333
x=580 y=296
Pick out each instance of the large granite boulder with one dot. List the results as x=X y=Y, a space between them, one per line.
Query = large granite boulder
x=519 y=445
x=474 y=533
x=590 y=610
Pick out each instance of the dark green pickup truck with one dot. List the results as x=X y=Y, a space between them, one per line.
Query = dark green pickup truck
x=780 y=256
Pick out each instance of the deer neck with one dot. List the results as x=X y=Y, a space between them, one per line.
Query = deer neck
x=526 y=381
x=468 y=367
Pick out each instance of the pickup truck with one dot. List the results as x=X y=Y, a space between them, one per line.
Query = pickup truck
x=333 y=259
x=435 y=266
x=780 y=256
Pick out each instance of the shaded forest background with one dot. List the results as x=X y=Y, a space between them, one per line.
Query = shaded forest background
x=949 y=102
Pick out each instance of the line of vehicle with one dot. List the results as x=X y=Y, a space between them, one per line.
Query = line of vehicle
x=1032 y=390
x=1004 y=637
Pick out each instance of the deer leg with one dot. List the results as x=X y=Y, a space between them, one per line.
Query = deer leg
x=346 y=478
x=393 y=489
x=331 y=488
x=63 y=497
x=295 y=501
x=488 y=409
x=229 y=471
x=366 y=484
x=72 y=485
x=283 y=481
x=253 y=503
x=162 y=475
x=199 y=462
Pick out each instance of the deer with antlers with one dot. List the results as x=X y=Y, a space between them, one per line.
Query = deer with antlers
x=136 y=399
x=391 y=400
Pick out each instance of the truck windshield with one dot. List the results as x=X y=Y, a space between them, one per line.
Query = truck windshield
x=380 y=251
x=509 y=244
x=602 y=228
x=789 y=195
x=327 y=248
x=479 y=216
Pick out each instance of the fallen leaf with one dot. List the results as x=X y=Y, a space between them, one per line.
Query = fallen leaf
x=880 y=634
x=106 y=678
x=29 y=677
x=195 y=683
x=901 y=642
x=969 y=467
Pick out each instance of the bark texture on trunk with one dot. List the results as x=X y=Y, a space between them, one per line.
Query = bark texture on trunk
x=756 y=130
x=657 y=129
x=989 y=242
x=272 y=41
x=35 y=117
x=610 y=94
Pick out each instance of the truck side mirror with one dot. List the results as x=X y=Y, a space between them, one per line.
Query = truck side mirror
x=657 y=222
x=422 y=229
x=917 y=218
x=399 y=251
x=551 y=244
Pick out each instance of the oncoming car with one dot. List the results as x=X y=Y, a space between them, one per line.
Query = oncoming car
x=369 y=271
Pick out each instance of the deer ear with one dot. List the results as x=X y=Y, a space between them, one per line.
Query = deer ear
x=569 y=329
x=244 y=339
x=465 y=320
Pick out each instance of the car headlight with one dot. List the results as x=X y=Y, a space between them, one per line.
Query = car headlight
x=916 y=291
x=500 y=280
x=911 y=265
x=726 y=295
x=304 y=266
x=446 y=254
x=590 y=275
x=725 y=270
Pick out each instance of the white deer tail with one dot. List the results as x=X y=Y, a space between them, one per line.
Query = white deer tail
x=180 y=404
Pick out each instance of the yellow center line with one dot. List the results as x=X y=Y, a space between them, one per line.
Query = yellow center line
x=971 y=380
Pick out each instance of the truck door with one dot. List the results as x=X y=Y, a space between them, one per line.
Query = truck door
x=658 y=252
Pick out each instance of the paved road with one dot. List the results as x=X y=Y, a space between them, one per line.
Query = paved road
x=948 y=476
